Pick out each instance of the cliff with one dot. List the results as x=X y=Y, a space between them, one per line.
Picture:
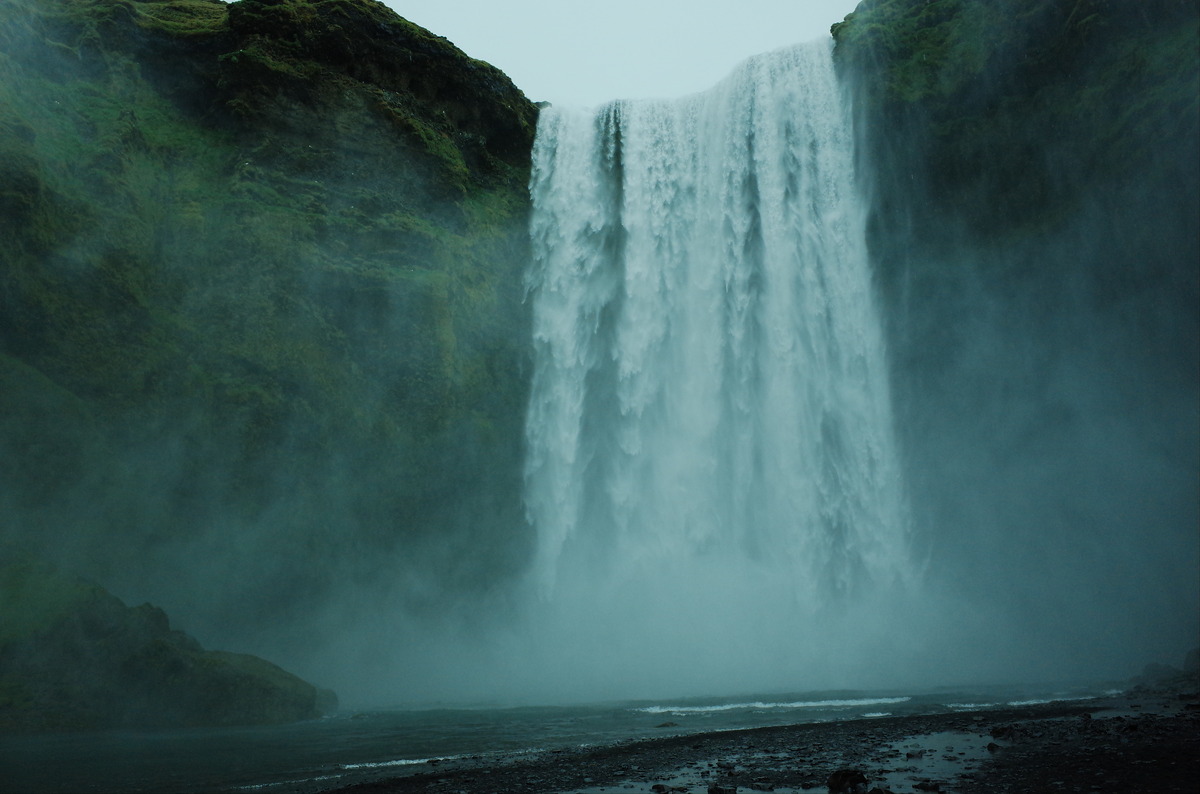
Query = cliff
x=1008 y=114
x=1034 y=173
x=261 y=320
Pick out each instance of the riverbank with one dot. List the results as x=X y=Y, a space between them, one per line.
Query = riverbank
x=1147 y=739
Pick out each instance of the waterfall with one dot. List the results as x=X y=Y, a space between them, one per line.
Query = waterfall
x=709 y=429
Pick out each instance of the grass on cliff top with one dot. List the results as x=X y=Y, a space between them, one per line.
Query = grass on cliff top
x=937 y=50
x=183 y=18
x=932 y=49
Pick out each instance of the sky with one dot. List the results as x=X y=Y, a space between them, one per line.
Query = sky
x=573 y=53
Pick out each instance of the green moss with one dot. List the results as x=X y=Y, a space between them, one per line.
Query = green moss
x=439 y=146
x=183 y=18
x=34 y=596
x=281 y=262
x=987 y=101
x=931 y=49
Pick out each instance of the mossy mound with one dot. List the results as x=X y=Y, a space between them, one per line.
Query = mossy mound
x=73 y=657
x=266 y=259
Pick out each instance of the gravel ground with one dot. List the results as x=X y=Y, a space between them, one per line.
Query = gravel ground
x=1147 y=740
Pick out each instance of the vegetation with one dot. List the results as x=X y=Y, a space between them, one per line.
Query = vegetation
x=72 y=656
x=260 y=293
x=1018 y=109
x=1034 y=168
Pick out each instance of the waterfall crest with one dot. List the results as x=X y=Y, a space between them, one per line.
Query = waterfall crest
x=710 y=400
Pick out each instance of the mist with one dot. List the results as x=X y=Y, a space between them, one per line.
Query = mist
x=298 y=416
x=1044 y=391
x=1035 y=246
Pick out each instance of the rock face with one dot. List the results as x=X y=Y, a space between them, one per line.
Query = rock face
x=260 y=299
x=1035 y=180
x=72 y=656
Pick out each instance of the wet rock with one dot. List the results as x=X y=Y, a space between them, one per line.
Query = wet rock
x=847 y=781
x=715 y=788
x=1004 y=731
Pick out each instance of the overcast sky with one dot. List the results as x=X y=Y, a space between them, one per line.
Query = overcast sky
x=576 y=53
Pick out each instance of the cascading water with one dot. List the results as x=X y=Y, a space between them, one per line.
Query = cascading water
x=710 y=454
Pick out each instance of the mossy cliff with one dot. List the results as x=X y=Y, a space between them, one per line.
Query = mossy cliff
x=1034 y=174
x=261 y=317
x=1007 y=113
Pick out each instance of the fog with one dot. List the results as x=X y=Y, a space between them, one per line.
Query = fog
x=1052 y=447
x=1044 y=396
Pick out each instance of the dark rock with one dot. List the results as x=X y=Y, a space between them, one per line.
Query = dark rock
x=927 y=785
x=849 y=781
x=1004 y=731
x=716 y=788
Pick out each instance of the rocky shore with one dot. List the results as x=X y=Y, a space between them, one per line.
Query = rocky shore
x=1147 y=739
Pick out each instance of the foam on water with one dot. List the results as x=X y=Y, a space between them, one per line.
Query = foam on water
x=765 y=706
